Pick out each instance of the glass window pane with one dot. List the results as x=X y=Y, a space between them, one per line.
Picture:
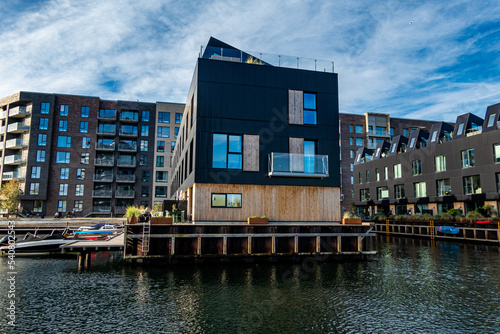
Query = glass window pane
x=235 y=144
x=310 y=117
x=234 y=161
x=219 y=154
x=309 y=101
x=219 y=200
x=234 y=200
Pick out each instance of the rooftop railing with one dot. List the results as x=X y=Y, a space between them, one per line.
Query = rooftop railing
x=297 y=165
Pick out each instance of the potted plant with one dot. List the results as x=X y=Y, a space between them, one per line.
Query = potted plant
x=158 y=218
x=258 y=220
x=132 y=213
x=350 y=219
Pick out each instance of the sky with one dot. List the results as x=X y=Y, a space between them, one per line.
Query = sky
x=423 y=59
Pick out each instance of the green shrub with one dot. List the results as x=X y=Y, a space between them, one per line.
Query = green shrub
x=446 y=215
x=132 y=211
x=455 y=212
x=473 y=215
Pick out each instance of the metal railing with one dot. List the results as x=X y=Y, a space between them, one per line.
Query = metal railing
x=126 y=133
x=125 y=178
x=102 y=193
x=297 y=165
x=127 y=148
x=106 y=132
x=124 y=194
x=103 y=177
x=104 y=161
x=378 y=133
x=126 y=162
x=104 y=147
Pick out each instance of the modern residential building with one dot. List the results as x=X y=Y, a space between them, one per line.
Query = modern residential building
x=256 y=140
x=367 y=131
x=451 y=166
x=85 y=153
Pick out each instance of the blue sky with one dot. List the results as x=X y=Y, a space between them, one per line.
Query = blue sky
x=445 y=63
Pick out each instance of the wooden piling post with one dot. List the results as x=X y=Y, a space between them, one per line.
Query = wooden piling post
x=224 y=245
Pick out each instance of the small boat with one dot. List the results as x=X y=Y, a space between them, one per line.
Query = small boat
x=34 y=244
x=448 y=229
x=97 y=232
x=102 y=226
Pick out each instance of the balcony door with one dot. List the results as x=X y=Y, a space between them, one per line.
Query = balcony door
x=310 y=149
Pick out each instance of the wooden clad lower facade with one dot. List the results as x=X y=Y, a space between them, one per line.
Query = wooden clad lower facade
x=277 y=203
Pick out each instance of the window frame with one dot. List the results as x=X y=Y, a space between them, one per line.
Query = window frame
x=309 y=110
x=84 y=112
x=228 y=152
x=226 y=206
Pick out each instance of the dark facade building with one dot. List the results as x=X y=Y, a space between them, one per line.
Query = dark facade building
x=256 y=140
x=83 y=153
x=451 y=166
x=367 y=131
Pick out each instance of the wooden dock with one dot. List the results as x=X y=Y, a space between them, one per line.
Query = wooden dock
x=190 y=242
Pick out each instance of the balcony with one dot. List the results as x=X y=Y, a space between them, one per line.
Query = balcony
x=378 y=133
x=17 y=127
x=3 y=114
x=127 y=162
x=106 y=132
x=129 y=117
x=125 y=178
x=125 y=194
x=2 y=129
x=103 y=177
x=16 y=159
x=101 y=208
x=20 y=111
x=104 y=161
x=372 y=145
x=128 y=133
x=107 y=115
x=102 y=193
x=104 y=147
x=127 y=148
x=16 y=143
x=297 y=165
x=13 y=176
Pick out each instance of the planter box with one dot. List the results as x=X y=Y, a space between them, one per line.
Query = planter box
x=132 y=220
x=258 y=221
x=349 y=221
x=161 y=220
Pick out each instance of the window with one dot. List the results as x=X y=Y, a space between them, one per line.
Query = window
x=63 y=189
x=359 y=129
x=44 y=108
x=399 y=191
x=392 y=132
x=64 y=175
x=364 y=195
x=377 y=174
x=61 y=206
x=496 y=152
x=44 y=124
x=160 y=146
x=38 y=206
x=161 y=176
x=144 y=191
x=84 y=127
x=63 y=141
x=172 y=147
x=178 y=118
x=386 y=173
x=85 y=158
x=160 y=191
x=351 y=154
x=145 y=116
x=107 y=113
x=34 y=188
x=226 y=200
x=42 y=140
x=352 y=167
x=40 y=156
x=35 y=172
x=497 y=175
x=310 y=116
x=460 y=130
x=416 y=167
x=440 y=163
x=472 y=185
x=160 y=161
x=129 y=115
x=412 y=142
x=443 y=187
x=419 y=190
x=63 y=111
x=79 y=189
x=163 y=117
x=468 y=158
x=143 y=160
x=145 y=176
x=351 y=141
x=359 y=141
x=350 y=128
x=360 y=177
x=367 y=176
x=63 y=126
x=84 y=112
x=85 y=142
x=226 y=151
x=382 y=193
x=397 y=171
x=144 y=146
x=405 y=132
x=176 y=132
x=352 y=179
x=107 y=129
x=80 y=173
x=164 y=131
x=78 y=206
x=62 y=157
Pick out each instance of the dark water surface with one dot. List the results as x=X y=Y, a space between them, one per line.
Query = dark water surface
x=410 y=287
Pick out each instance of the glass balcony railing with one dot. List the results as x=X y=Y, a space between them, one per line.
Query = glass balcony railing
x=126 y=162
x=13 y=175
x=104 y=162
x=17 y=127
x=269 y=59
x=14 y=159
x=104 y=147
x=16 y=143
x=297 y=165
x=127 y=147
x=103 y=177
x=125 y=178
x=378 y=133
x=124 y=194
x=3 y=114
x=102 y=193
x=20 y=111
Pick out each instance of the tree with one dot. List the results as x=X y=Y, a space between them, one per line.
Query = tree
x=9 y=195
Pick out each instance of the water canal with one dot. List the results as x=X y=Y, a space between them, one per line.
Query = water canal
x=410 y=287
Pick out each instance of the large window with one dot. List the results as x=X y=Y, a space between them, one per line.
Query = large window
x=467 y=158
x=144 y=191
x=176 y=132
x=226 y=200
x=85 y=158
x=172 y=146
x=359 y=129
x=79 y=206
x=496 y=152
x=386 y=173
x=145 y=116
x=164 y=131
x=472 y=185
x=161 y=176
x=62 y=157
x=397 y=171
x=497 y=175
x=84 y=127
x=144 y=146
x=44 y=124
x=84 y=112
x=80 y=173
x=145 y=176
x=399 y=191
x=460 y=130
x=160 y=146
x=440 y=163
x=160 y=191
x=34 y=188
x=79 y=189
x=226 y=151
x=160 y=161
x=44 y=108
x=367 y=176
x=35 y=172
x=310 y=114
x=443 y=187
x=42 y=139
x=86 y=142
x=377 y=174
x=64 y=141
x=143 y=160
x=416 y=167
x=63 y=189
x=419 y=190
x=63 y=111
x=38 y=206
x=364 y=195
x=64 y=175
x=359 y=141
x=63 y=126
x=61 y=206
x=40 y=156
x=178 y=118
x=382 y=193
x=163 y=117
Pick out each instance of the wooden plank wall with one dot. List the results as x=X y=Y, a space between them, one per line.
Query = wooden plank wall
x=251 y=153
x=295 y=107
x=278 y=203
